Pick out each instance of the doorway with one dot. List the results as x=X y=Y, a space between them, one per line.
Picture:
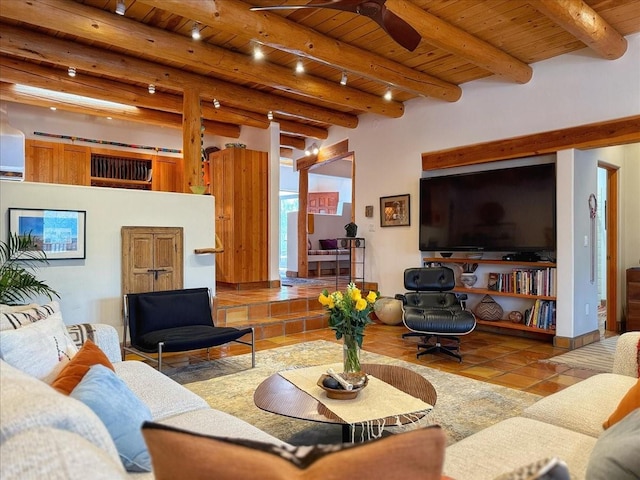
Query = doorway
x=607 y=250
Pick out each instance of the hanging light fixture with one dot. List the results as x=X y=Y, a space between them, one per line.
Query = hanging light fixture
x=152 y=88
x=299 y=66
x=195 y=31
x=258 y=54
x=216 y=103
x=270 y=115
x=71 y=71
x=388 y=95
x=120 y=7
x=343 y=79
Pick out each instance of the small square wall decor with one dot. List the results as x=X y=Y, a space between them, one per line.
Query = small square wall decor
x=395 y=211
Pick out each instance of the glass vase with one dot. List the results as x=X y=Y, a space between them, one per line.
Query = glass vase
x=351 y=358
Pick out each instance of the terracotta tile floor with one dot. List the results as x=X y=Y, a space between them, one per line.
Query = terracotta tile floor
x=489 y=357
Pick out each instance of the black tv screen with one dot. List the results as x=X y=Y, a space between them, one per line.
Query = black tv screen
x=505 y=210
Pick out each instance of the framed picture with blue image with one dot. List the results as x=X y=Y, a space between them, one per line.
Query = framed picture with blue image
x=61 y=234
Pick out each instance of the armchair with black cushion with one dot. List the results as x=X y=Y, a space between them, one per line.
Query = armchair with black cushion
x=431 y=311
x=175 y=321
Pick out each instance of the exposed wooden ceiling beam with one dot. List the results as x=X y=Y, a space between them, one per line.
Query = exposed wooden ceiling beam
x=584 y=23
x=294 y=128
x=286 y=152
x=13 y=70
x=39 y=47
x=330 y=152
x=93 y=24
x=234 y=17
x=289 y=141
x=9 y=93
x=594 y=135
x=443 y=35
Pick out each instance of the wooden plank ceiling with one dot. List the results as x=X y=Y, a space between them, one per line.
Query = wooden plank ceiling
x=117 y=57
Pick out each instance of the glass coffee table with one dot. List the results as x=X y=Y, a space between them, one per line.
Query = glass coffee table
x=278 y=395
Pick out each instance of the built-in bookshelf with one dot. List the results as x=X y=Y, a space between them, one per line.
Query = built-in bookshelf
x=120 y=172
x=534 y=282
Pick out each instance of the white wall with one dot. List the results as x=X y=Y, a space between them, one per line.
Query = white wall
x=90 y=289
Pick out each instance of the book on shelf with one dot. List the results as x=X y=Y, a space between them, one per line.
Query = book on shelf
x=535 y=281
x=542 y=315
x=492 y=282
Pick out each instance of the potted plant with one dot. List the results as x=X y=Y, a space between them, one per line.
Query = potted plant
x=20 y=257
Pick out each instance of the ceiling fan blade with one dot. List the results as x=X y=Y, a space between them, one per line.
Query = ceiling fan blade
x=399 y=29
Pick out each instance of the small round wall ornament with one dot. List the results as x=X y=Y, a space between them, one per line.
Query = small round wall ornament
x=515 y=316
x=489 y=309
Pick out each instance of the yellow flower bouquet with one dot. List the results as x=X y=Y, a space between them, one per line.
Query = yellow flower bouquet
x=348 y=316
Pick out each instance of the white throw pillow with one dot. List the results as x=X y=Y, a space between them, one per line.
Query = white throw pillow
x=12 y=317
x=40 y=349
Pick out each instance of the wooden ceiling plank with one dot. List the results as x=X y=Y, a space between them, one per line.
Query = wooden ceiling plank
x=457 y=41
x=87 y=22
x=595 y=135
x=40 y=47
x=584 y=23
x=295 y=128
x=277 y=32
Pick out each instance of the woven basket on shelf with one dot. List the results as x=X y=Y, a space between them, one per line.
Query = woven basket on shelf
x=489 y=309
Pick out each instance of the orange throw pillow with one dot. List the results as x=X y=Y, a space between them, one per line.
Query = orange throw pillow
x=70 y=376
x=629 y=403
x=178 y=454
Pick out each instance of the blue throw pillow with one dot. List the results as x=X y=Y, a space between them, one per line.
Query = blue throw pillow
x=121 y=411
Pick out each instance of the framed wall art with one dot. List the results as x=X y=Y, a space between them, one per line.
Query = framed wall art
x=395 y=211
x=61 y=234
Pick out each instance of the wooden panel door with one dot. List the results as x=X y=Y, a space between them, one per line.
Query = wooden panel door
x=41 y=161
x=152 y=259
x=167 y=174
x=74 y=165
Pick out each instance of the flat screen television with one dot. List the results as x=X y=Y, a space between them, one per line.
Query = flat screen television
x=505 y=210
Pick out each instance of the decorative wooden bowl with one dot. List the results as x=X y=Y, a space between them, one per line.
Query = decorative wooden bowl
x=339 y=393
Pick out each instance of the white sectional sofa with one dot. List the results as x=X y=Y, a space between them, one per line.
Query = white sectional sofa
x=566 y=424
x=45 y=434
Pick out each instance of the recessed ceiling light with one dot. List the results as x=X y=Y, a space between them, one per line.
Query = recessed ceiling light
x=120 y=7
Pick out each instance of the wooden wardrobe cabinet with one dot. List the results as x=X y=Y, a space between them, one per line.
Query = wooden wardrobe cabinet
x=50 y=162
x=239 y=183
x=633 y=299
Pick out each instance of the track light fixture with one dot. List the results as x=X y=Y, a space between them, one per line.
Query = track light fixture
x=71 y=71
x=195 y=31
x=343 y=79
x=270 y=115
x=152 y=88
x=216 y=103
x=388 y=95
x=258 y=54
x=120 y=7
x=312 y=150
x=299 y=66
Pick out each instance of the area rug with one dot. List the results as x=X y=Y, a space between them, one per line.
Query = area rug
x=596 y=356
x=464 y=406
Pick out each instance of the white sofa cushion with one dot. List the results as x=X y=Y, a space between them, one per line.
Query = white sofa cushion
x=164 y=397
x=583 y=407
x=54 y=454
x=13 y=317
x=28 y=403
x=220 y=424
x=513 y=443
x=40 y=349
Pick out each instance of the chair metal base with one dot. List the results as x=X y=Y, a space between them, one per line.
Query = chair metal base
x=452 y=349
